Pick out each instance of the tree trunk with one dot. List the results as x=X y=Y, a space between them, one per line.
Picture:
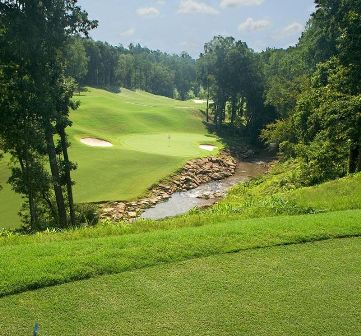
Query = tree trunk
x=30 y=195
x=354 y=157
x=67 y=167
x=215 y=117
x=234 y=111
x=62 y=220
x=207 y=111
x=358 y=165
x=50 y=205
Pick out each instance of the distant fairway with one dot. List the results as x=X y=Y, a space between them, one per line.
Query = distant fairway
x=152 y=136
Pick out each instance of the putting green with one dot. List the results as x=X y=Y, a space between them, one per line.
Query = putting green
x=152 y=136
x=170 y=144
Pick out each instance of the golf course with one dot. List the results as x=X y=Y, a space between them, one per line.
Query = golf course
x=151 y=137
x=180 y=168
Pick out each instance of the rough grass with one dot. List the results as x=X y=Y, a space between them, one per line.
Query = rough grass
x=308 y=289
x=331 y=196
x=152 y=136
x=26 y=265
x=277 y=194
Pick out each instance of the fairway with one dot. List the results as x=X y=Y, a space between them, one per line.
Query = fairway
x=304 y=289
x=152 y=136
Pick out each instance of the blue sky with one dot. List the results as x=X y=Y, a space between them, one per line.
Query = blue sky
x=185 y=25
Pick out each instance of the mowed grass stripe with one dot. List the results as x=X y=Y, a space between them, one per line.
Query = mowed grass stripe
x=29 y=266
x=309 y=289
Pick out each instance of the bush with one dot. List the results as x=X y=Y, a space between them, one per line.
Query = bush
x=86 y=214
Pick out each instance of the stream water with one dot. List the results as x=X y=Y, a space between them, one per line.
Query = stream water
x=206 y=194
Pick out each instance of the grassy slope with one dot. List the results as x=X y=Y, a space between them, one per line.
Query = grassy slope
x=267 y=291
x=29 y=265
x=309 y=289
x=331 y=196
x=46 y=259
x=139 y=125
x=9 y=201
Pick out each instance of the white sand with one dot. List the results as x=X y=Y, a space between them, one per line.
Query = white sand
x=95 y=142
x=208 y=148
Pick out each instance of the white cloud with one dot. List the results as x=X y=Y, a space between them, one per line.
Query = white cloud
x=193 y=6
x=148 y=11
x=252 y=25
x=160 y=2
x=129 y=32
x=235 y=3
x=290 y=30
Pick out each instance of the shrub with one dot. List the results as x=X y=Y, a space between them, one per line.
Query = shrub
x=86 y=214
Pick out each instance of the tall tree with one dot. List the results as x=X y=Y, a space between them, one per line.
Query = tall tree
x=35 y=38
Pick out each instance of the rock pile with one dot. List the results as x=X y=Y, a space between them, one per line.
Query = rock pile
x=192 y=175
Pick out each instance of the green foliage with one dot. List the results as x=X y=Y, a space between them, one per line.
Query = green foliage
x=138 y=67
x=76 y=60
x=87 y=214
x=320 y=121
x=230 y=72
x=36 y=99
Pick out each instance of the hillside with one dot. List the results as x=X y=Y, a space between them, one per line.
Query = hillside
x=214 y=251
x=152 y=136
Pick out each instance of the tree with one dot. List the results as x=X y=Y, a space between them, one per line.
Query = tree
x=76 y=60
x=230 y=71
x=36 y=98
x=321 y=125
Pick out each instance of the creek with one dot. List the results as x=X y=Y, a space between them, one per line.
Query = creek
x=205 y=195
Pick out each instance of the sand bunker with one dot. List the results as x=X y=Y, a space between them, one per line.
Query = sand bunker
x=209 y=148
x=199 y=101
x=95 y=142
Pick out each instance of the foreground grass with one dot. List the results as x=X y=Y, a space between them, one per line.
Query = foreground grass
x=152 y=136
x=307 y=289
x=26 y=266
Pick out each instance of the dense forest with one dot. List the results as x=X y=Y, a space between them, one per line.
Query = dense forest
x=100 y=64
x=315 y=90
x=305 y=100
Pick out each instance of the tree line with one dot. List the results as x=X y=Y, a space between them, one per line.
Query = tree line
x=95 y=63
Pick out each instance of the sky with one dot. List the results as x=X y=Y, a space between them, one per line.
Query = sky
x=174 y=26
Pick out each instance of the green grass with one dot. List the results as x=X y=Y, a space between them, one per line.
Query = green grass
x=229 y=270
x=307 y=289
x=27 y=264
x=334 y=195
x=9 y=201
x=152 y=136
x=275 y=194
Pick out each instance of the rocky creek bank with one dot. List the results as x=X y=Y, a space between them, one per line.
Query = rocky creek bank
x=193 y=174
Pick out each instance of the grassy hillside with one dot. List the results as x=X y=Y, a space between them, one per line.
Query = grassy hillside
x=43 y=263
x=152 y=136
x=309 y=289
x=213 y=272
